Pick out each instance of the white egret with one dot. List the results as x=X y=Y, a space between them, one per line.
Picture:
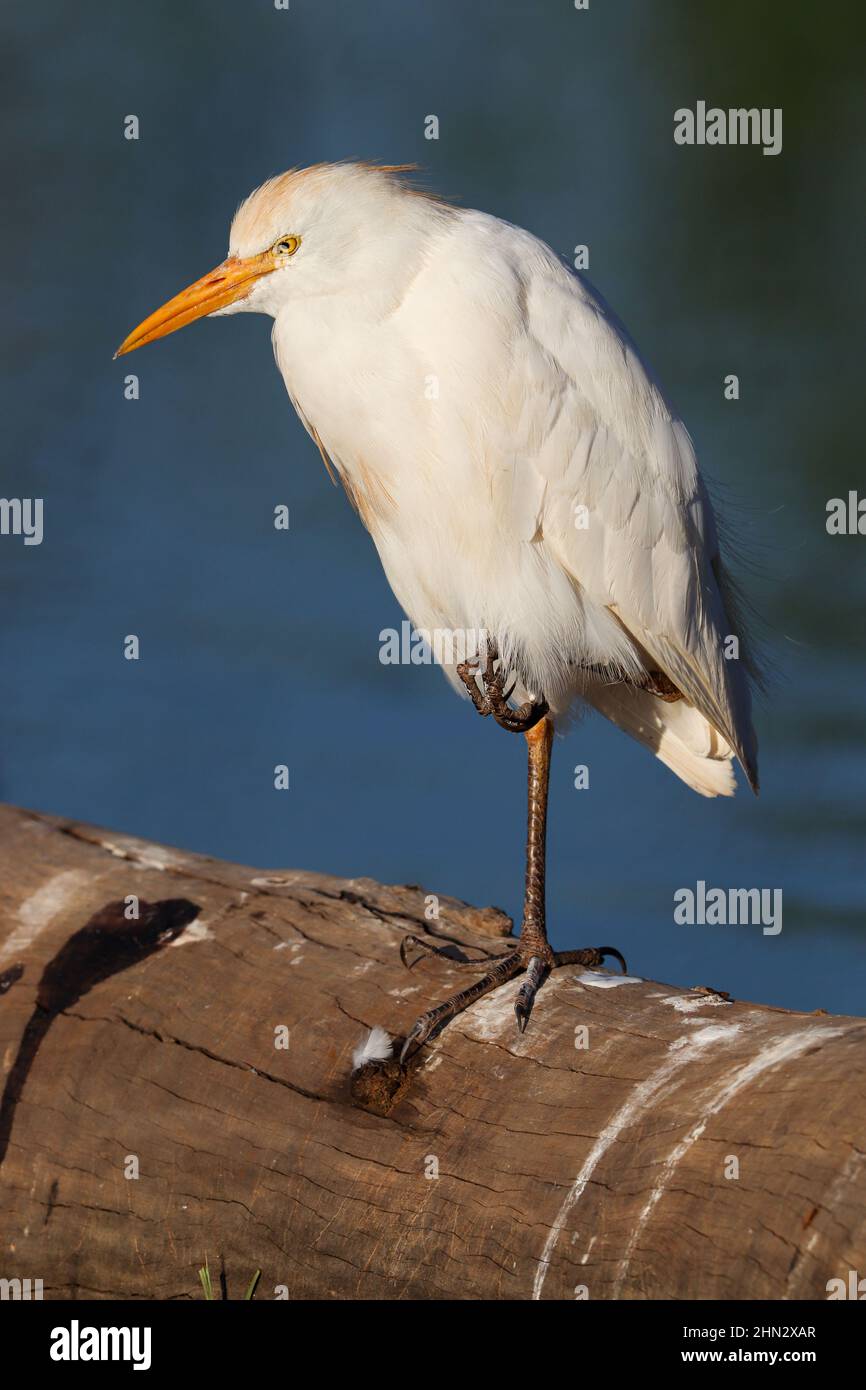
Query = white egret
x=520 y=472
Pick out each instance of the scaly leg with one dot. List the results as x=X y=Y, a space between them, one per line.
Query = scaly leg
x=533 y=953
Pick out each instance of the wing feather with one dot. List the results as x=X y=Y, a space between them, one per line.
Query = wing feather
x=649 y=551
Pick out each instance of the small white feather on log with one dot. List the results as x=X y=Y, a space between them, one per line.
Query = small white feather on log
x=376 y=1047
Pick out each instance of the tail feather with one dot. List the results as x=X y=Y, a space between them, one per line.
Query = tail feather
x=678 y=734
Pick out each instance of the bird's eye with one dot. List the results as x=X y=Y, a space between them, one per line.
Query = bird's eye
x=286 y=246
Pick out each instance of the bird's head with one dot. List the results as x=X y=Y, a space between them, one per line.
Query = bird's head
x=306 y=233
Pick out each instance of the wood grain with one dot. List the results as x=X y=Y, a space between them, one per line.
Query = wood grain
x=508 y=1167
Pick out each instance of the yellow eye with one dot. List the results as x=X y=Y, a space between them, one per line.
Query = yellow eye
x=286 y=246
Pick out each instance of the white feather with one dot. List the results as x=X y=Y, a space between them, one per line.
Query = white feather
x=376 y=1047
x=486 y=396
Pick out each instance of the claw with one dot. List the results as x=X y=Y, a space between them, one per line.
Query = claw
x=612 y=951
x=407 y=941
x=453 y=953
x=493 y=698
x=418 y=1033
x=592 y=958
x=535 y=971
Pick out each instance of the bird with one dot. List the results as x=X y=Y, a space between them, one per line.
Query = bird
x=528 y=487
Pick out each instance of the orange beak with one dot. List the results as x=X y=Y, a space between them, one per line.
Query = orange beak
x=229 y=282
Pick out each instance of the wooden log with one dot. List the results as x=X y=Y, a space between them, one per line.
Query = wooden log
x=637 y=1141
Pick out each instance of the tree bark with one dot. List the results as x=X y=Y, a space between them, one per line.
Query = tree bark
x=638 y=1141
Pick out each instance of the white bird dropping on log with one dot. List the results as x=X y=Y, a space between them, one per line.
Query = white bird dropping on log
x=376 y=1047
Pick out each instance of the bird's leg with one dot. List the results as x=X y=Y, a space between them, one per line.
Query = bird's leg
x=495 y=697
x=535 y=950
x=533 y=953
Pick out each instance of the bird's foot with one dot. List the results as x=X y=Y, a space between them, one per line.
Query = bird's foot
x=506 y=968
x=537 y=961
x=494 y=698
x=538 y=967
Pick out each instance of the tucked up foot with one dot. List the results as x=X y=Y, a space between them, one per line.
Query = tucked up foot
x=495 y=698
